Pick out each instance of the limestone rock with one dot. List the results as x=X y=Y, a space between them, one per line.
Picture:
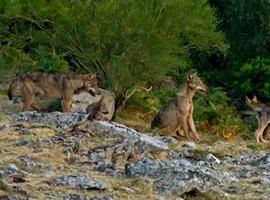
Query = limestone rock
x=79 y=182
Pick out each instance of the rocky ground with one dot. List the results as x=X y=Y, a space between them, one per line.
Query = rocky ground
x=61 y=156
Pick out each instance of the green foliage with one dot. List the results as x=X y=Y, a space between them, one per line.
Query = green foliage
x=246 y=23
x=152 y=100
x=128 y=43
x=253 y=78
x=214 y=109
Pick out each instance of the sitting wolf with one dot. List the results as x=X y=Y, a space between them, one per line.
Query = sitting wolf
x=38 y=84
x=176 y=115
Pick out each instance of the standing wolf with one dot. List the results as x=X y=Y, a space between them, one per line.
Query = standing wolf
x=176 y=115
x=263 y=116
x=38 y=84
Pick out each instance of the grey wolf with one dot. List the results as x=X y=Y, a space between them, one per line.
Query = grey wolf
x=64 y=86
x=176 y=117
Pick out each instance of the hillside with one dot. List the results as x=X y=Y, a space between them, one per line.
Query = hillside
x=102 y=160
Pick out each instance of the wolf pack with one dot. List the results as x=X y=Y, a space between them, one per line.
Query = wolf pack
x=174 y=119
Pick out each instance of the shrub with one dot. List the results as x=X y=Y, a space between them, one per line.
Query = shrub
x=213 y=112
x=253 y=78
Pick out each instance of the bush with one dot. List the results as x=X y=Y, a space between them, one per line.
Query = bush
x=253 y=78
x=213 y=112
x=152 y=100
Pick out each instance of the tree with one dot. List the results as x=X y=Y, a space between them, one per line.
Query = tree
x=128 y=43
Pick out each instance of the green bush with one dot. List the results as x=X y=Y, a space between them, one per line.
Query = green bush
x=253 y=78
x=40 y=60
x=152 y=100
x=215 y=110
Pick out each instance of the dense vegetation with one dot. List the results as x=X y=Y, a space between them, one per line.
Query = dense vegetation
x=137 y=43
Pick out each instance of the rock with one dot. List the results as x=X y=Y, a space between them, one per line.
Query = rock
x=71 y=196
x=177 y=177
x=189 y=145
x=211 y=158
x=261 y=160
x=12 y=197
x=127 y=189
x=54 y=119
x=22 y=142
x=30 y=165
x=167 y=139
x=10 y=169
x=79 y=182
x=83 y=99
x=132 y=136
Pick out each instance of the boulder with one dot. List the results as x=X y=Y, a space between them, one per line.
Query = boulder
x=53 y=119
x=79 y=182
x=177 y=177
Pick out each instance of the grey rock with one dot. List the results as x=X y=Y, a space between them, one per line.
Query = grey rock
x=167 y=139
x=30 y=165
x=22 y=142
x=211 y=158
x=12 y=197
x=189 y=145
x=79 y=182
x=54 y=119
x=132 y=136
x=71 y=196
x=10 y=169
x=177 y=177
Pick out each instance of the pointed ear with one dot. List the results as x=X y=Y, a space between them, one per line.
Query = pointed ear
x=254 y=98
x=248 y=101
x=93 y=76
x=189 y=77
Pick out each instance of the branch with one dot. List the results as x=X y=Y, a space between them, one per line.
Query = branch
x=127 y=96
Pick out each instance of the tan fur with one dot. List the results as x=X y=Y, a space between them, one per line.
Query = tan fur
x=96 y=110
x=263 y=116
x=64 y=86
x=176 y=117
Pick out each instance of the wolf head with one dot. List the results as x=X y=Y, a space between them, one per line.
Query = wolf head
x=254 y=104
x=91 y=84
x=195 y=83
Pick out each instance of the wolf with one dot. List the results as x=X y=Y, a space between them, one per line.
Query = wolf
x=263 y=117
x=97 y=110
x=176 y=117
x=45 y=85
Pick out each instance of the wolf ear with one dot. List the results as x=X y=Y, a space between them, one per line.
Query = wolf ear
x=248 y=101
x=93 y=76
x=254 y=98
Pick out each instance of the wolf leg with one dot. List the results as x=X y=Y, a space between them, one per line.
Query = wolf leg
x=184 y=123
x=193 y=132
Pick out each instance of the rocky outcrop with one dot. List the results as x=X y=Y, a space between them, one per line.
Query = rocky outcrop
x=53 y=119
x=117 y=151
x=177 y=177
x=79 y=182
x=131 y=135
